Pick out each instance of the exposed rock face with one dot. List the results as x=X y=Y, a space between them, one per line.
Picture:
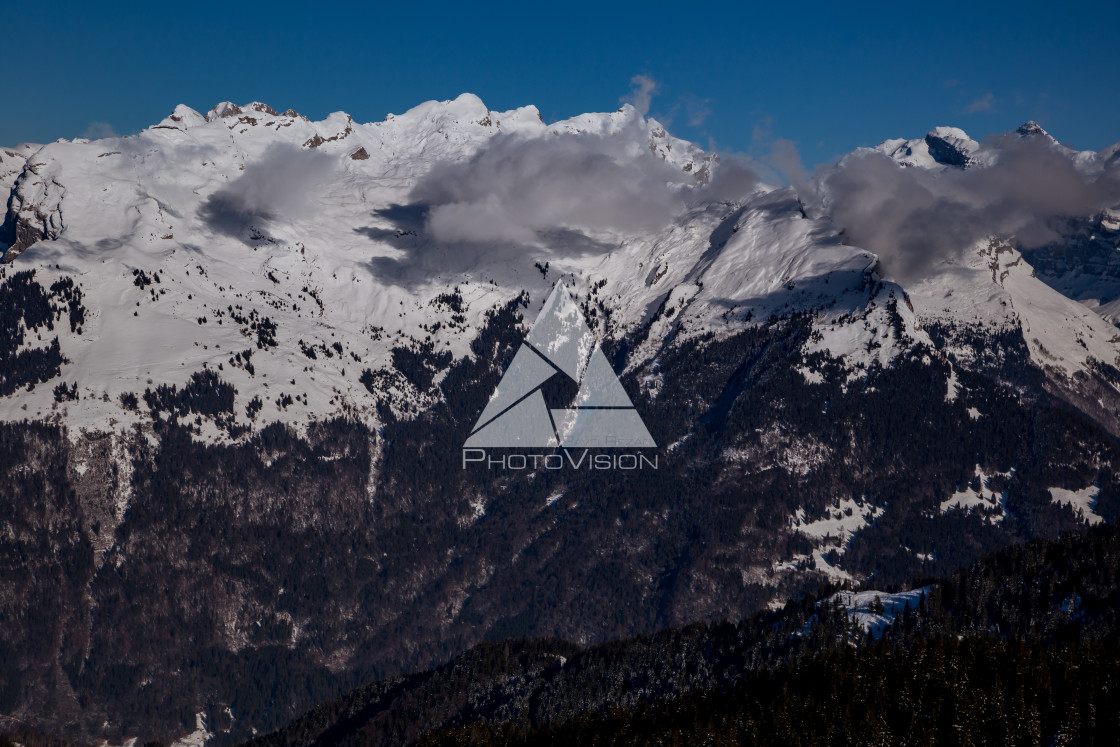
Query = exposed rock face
x=1031 y=129
x=33 y=211
x=23 y=228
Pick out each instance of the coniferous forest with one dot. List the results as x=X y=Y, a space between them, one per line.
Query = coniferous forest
x=1019 y=648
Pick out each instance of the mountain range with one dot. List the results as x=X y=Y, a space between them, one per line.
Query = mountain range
x=241 y=352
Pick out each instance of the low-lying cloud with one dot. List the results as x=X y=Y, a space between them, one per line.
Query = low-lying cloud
x=914 y=219
x=733 y=179
x=521 y=191
x=279 y=184
x=518 y=188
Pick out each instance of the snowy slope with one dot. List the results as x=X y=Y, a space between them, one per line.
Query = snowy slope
x=995 y=288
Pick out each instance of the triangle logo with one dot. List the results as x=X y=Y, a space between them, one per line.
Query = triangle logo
x=559 y=343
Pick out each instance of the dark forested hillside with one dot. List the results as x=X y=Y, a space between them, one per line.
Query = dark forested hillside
x=1022 y=647
x=974 y=690
x=157 y=576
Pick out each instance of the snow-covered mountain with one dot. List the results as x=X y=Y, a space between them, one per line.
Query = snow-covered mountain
x=191 y=239
x=293 y=256
x=1057 y=289
x=240 y=353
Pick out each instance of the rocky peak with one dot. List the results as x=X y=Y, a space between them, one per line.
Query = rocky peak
x=1031 y=128
x=951 y=146
x=222 y=110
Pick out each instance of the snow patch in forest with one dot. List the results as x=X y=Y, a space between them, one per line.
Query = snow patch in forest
x=1083 y=502
x=875 y=610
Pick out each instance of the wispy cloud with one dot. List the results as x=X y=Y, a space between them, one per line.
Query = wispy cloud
x=697 y=110
x=642 y=90
x=99 y=130
x=785 y=158
x=762 y=132
x=982 y=104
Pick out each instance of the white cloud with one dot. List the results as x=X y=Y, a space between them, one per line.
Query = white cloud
x=643 y=89
x=99 y=130
x=517 y=188
x=698 y=111
x=913 y=218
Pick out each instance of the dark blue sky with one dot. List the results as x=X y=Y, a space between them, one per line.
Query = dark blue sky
x=733 y=76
